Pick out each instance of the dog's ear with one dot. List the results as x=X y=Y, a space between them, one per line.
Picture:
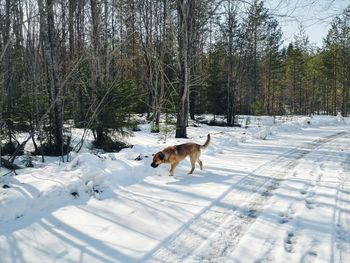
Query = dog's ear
x=161 y=156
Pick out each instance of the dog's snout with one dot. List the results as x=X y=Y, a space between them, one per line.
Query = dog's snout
x=154 y=165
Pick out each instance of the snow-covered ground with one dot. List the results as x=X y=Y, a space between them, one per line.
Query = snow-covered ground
x=276 y=192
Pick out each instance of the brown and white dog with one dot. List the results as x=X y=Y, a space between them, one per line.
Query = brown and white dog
x=175 y=154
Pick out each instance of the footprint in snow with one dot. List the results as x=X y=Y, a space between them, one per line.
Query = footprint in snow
x=309 y=203
x=252 y=213
x=311 y=254
x=283 y=219
x=266 y=193
x=303 y=191
x=275 y=185
x=322 y=166
x=342 y=235
x=270 y=188
x=287 y=216
x=289 y=242
x=309 y=200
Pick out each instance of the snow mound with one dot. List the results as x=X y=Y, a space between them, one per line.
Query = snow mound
x=320 y=120
x=260 y=133
x=287 y=127
x=84 y=177
x=267 y=120
x=218 y=144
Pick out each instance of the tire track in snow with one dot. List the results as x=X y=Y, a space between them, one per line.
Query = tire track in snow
x=215 y=231
x=341 y=242
x=308 y=193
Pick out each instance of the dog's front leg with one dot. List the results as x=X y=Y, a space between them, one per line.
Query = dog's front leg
x=172 y=169
x=193 y=163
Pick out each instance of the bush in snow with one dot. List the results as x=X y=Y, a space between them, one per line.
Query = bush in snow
x=109 y=145
x=340 y=118
x=9 y=148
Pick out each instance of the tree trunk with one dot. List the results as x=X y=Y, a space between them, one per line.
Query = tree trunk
x=47 y=32
x=71 y=13
x=7 y=67
x=185 y=13
x=230 y=83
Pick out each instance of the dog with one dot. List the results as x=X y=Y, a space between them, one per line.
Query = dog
x=175 y=154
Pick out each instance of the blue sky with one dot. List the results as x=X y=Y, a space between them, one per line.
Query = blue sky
x=314 y=15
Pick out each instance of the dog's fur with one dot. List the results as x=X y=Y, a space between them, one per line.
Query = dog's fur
x=175 y=154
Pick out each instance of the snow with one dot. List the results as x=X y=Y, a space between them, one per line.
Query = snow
x=277 y=190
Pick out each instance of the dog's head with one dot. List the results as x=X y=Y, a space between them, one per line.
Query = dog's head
x=158 y=158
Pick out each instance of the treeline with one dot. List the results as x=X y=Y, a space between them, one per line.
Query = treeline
x=91 y=63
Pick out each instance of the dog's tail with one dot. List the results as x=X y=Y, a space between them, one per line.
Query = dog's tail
x=205 y=145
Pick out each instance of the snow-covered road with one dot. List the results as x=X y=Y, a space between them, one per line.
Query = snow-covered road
x=279 y=192
x=284 y=199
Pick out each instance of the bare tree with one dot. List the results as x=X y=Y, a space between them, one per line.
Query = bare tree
x=48 y=34
x=185 y=12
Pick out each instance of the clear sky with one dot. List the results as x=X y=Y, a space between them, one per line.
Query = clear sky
x=314 y=15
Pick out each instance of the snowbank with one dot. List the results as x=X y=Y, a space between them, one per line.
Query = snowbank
x=87 y=175
x=325 y=120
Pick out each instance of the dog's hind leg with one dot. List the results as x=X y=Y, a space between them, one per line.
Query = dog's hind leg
x=200 y=164
x=199 y=161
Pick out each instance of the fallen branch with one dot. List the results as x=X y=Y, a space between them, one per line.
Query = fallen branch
x=8 y=165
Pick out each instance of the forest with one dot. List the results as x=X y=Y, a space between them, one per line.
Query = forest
x=92 y=64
